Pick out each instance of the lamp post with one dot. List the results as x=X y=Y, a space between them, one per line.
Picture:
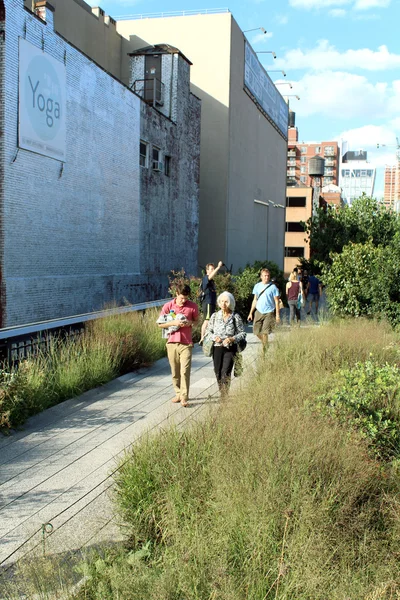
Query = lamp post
x=267 y=52
x=284 y=83
x=277 y=71
x=255 y=29
x=292 y=96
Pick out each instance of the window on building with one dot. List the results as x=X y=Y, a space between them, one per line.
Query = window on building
x=317 y=149
x=156 y=158
x=303 y=149
x=302 y=169
x=167 y=166
x=303 y=178
x=294 y=252
x=144 y=154
x=296 y=201
x=329 y=150
x=294 y=226
x=303 y=159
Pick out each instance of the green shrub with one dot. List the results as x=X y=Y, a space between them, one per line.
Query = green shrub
x=367 y=397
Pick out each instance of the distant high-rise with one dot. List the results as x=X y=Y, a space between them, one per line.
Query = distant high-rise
x=357 y=175
x=392 y=186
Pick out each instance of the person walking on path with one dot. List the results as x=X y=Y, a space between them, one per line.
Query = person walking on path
x=226 y=329
x=209 y=301
x=315 y=291
x=184 y=314
x=265 y=305
x=293 y=288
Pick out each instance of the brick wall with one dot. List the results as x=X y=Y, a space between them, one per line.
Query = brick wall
x=79 y=237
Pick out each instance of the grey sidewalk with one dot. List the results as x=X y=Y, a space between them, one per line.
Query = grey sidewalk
x=58 y=469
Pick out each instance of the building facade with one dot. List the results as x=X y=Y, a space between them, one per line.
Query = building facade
x=357 y=175
x=84 y=222
x=243 y=151
x=391 y=195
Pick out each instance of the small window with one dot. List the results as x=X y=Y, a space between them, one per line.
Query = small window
x=144 y=153
x=303 y=159
x=303 y=169
x=156 y=155
x=296 y=201
x=317 y=149
x=295 y=226
x=293 y=252
x=167 y=166
x=303 y=149
x=303 y=179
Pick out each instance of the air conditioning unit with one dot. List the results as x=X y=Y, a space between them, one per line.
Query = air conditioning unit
x=157 y=165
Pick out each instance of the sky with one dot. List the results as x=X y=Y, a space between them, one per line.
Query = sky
x=341 y=57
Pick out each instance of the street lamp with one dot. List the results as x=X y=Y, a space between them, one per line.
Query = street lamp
x=267 y=52
x=284 y=83
x=255 y=29
x=277 y=71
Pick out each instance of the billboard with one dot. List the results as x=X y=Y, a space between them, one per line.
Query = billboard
x=260 y=85
x=42 y=102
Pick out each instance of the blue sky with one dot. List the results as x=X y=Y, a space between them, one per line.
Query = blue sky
x=342 y=57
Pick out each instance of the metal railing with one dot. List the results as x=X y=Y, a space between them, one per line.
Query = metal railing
x=179 y=13
x=21 y=341
x=150 y=89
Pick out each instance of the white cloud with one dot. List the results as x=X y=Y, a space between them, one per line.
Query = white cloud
x=356 y=4
x=282 y=19
x=326 y=56
x=339 y=95
x=337 y=13
x=366 y=4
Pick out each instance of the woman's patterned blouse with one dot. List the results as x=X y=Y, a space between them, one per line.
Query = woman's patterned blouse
x=232 y=327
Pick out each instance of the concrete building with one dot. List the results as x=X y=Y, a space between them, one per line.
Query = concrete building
x=391 y=195
x=86 y=219
x=244 y=120
x=298 y=211
x=243 y=136
x=357 y=175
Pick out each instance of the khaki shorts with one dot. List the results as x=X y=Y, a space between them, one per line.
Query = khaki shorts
x=263 y=323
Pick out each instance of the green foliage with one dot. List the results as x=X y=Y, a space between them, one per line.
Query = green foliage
x=240 y=285
x=265 y=499
x=333 y=228
x=367 y=397
x=364 y=280
x=109 y=347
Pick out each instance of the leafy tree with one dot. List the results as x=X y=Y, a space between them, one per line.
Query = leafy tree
x=333 y=228
x=364 y=280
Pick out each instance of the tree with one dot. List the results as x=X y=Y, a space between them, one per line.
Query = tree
x=334 y=227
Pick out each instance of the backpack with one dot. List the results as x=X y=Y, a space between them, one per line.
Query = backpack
x=200 y=292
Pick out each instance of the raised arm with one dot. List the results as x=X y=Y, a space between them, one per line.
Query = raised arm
x=217 y=268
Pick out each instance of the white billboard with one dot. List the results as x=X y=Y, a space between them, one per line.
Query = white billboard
x=42 y=102
x=260 y=85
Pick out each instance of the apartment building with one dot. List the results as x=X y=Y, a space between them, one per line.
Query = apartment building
x=391 y=195
x=357 y=175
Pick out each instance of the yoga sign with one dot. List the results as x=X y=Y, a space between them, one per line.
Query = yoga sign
x=42 y=102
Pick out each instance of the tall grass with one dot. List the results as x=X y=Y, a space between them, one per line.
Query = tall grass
x=265 y=499
x=109 y=347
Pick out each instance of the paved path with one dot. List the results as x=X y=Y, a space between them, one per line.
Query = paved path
x=58 y=469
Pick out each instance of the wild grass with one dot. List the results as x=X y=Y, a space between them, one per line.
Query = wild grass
x=264 y=499
x=109 y=347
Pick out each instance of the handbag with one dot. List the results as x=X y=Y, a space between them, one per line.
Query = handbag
x=241 y=345
x=300 y=298
x=208 y=346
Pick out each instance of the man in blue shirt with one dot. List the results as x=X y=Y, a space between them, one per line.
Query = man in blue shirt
x=266 y=307
x=314 y=291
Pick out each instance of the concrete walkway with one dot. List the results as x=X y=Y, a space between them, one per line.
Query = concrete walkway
x=57 y=472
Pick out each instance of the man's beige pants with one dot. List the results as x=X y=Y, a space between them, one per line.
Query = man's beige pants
x=180 y=360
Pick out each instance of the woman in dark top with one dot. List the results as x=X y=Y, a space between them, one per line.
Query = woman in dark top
x=293 y=288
